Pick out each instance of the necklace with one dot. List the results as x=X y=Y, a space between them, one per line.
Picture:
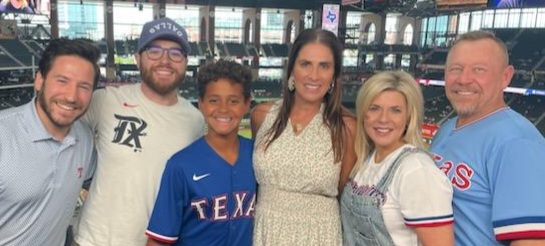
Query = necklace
x=304 y=117
x=298 y=128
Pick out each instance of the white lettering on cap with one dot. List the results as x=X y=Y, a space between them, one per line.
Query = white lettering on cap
x=165 y=25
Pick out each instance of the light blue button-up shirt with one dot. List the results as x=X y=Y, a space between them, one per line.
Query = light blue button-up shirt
x=40 y=177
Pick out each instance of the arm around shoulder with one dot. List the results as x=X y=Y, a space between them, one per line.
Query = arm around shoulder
x=349 y=155
x=257 y=116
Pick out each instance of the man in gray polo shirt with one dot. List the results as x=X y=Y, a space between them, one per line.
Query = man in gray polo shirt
x=45 y=153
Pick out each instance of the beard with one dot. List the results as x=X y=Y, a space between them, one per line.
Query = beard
x=161 y=87
x=463 y=108
x=464 y=111
x=45 y=105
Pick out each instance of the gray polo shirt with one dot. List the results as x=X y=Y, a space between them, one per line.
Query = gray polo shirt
x=40 y=177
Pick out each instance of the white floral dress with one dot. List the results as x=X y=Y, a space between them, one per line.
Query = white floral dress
x=296 y=203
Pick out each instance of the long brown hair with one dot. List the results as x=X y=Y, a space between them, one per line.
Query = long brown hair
x=333 y=111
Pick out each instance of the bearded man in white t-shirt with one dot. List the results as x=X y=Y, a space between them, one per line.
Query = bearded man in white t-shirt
x=138 y=127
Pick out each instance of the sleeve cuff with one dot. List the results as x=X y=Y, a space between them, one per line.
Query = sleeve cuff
x=161 y=238
x=430 y=221
x=520 y=228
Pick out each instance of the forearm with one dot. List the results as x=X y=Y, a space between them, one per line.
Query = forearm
x=438 y=235
x=528 y=242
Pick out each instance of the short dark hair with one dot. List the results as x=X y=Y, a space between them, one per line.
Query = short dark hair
x=66 y=47
x=478 y=35
x=227 y=70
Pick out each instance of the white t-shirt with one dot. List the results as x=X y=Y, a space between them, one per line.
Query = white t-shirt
x=419 y=194
x=134 y=139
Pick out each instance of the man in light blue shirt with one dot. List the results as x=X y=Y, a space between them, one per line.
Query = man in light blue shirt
x=45 y=153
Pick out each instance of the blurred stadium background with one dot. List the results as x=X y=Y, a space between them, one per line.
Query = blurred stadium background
x=410 y=35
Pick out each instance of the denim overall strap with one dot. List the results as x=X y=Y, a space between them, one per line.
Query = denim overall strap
x=389 y=175
x=361 y=214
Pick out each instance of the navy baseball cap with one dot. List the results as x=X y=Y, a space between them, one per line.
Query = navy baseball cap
x=164 y=28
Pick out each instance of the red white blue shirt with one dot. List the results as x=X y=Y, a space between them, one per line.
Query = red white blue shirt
x=204 y=200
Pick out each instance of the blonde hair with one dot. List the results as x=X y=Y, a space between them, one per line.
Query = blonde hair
x=388 y=81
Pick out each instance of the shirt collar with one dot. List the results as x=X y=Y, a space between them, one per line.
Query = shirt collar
x=36 y=128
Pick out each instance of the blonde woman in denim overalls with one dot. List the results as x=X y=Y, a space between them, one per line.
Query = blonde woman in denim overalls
x=396 y=195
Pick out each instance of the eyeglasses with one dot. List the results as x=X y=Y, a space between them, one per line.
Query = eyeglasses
x=175 y=54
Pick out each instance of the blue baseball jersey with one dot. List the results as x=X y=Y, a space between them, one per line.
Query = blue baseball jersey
x=497 y=167
x=203 y=200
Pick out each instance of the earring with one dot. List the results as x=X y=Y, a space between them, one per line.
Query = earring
x=291 y=84
x=331 y=86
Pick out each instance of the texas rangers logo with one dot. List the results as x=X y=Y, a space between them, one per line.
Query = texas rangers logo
x=128 y=132
x=80 y=172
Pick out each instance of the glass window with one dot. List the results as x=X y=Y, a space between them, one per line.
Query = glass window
x=405 y=62
x=125 y=25
x=514 y=18
x=431 y=31
x=488 y=18
x=370 y=63
x=500 y=20
x=309 y=19
x=453 y=20
x=463 y=26
x=408 y=35
x=528 y=18
x=272 y=30
x=251 y=32
x=391 y=28
x=476 y=20
x=540 y=19
x=371 y=33
x=389 y=62
x=423 y=28
x=441 y=27
x=228 y=25
x=186 y=16
x=293 y=35
x=350 y=57
x=82 y=20
x=353 y=32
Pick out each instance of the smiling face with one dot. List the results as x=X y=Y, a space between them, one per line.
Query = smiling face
x=475 y=76
x=223 y=106
x=313 y=72
x=162 y=76
x=64 y=94
x=385 y=121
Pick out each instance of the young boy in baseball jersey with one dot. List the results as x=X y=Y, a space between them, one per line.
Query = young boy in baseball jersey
x=207 y=192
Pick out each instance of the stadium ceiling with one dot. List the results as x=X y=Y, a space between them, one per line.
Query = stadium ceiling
x=275 y=4
x=414 y=8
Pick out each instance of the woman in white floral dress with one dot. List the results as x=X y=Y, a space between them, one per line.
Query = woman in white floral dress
x=304 y=148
